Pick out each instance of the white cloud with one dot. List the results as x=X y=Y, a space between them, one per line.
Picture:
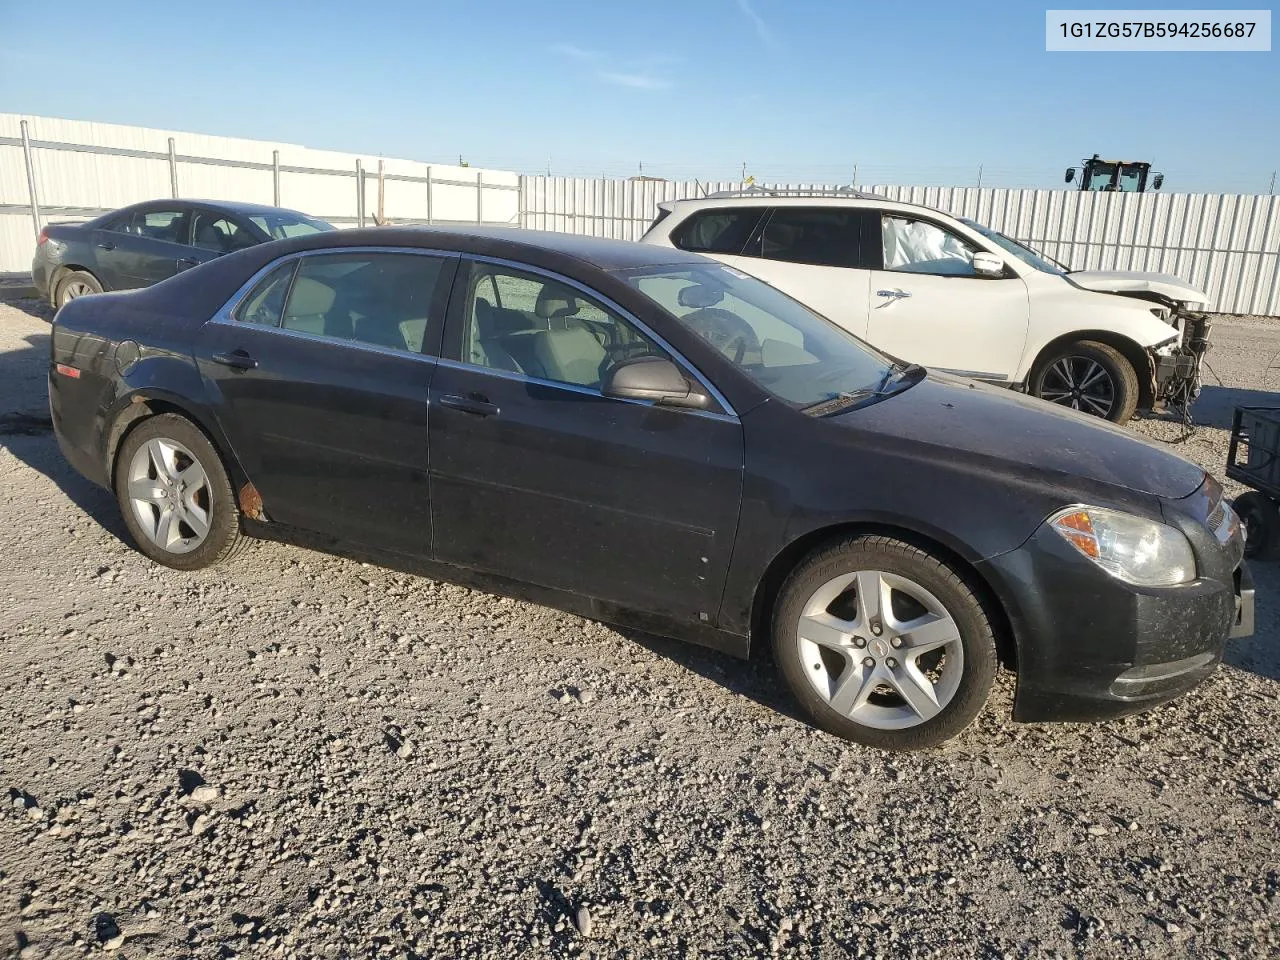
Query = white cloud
x=762 y=28
x=574 y=52
x=637 y=81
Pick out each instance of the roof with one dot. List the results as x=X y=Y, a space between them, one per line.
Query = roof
x=601 y=252
x=229 y=206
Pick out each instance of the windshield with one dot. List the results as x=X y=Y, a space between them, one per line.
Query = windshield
x=1023 y=253
x=282 y=226
x=780 y=344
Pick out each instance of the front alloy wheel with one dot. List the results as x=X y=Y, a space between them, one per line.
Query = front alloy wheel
x=1092 y=377
x=884 y=643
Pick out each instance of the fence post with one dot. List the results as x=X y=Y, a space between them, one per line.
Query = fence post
x=520 y=201
x=275 y=176
x=359 y=194
x=173 y=169
x=428 y=196
x=31 y=178
x=479 y=196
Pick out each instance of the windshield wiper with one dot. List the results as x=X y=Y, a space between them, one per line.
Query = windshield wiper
x=847 y=398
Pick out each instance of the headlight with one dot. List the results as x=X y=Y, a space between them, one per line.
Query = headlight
x=1133 y=549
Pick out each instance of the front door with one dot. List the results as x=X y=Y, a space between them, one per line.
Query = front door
x=320 y=383
x=929 y=306
x=538 y=477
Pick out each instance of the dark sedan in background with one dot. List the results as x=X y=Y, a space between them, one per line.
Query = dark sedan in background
x=148 y=242
x=650 y=438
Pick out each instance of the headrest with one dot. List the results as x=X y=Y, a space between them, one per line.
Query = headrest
x=309 y=298
x=555 y=301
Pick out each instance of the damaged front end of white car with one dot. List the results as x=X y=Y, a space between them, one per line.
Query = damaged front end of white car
x=1176 y=362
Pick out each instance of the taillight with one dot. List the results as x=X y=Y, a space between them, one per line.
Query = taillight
x=44 y=235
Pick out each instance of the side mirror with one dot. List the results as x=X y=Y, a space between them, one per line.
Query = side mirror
x=1157 y=181
x=987 y=264
x=656 y=379
x=1071 y=174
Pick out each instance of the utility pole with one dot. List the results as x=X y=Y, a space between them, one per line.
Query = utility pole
x=1272 y=189
x=855 y=175
x=744 y=171
x=979 y=175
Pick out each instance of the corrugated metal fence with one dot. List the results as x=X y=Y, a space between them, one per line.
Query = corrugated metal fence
x=1227 y=244
x=77 y=170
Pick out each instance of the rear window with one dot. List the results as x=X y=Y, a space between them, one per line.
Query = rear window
x=725 y=231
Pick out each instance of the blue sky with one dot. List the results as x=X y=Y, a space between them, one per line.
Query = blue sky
x=796 y=89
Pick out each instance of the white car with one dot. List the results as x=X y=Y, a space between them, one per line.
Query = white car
x=956 y=296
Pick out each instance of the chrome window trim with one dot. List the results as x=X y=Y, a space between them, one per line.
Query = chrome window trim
x=226 y=314
x=576 y=388
x=626 y=315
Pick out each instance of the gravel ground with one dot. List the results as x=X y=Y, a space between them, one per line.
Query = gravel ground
x=300 y=755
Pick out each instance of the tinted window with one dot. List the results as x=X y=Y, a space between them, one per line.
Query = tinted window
x=534 y=325
x=211 y=231
x=826 y=237
x=776 y=341
x=163 y=225
x=718 y=231
x=383 y=299
x=266 y=301
x=918 y=246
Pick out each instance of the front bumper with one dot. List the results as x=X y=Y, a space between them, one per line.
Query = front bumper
x=1092 y=647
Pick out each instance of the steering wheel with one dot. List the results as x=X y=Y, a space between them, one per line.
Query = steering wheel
x=724 y=330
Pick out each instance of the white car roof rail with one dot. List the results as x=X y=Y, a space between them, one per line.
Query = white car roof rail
x=758 y=191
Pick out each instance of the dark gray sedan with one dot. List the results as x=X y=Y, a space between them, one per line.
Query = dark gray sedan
x=148 y=242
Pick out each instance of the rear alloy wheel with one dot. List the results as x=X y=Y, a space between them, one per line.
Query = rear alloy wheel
x=76 y=284
x=884 y=644
x=1091 y=377
x=175 y=495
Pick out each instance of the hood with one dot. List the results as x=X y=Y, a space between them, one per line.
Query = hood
x=997 y=428
x=1123 y=281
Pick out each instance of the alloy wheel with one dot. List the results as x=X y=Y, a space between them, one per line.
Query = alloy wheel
x=1080 y=383
x=76 y=288
x=170 y=495
x=880 y=649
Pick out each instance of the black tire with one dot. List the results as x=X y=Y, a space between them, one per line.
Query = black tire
x=223 y=537
x=77 y=283
x=1261 y=521
x=898 y=559
x=1117 y=392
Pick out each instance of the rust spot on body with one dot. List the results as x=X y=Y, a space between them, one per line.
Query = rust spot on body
x=251 y=502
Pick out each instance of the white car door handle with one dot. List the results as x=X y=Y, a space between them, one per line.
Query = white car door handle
x=895 y=294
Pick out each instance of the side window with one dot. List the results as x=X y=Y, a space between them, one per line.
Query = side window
x=725 y=230
x=265 y=302
x=382 y=299
x=917 y=246
x=166 y=225
x=826 y=237
x=533 y=325
x=123 y=224
x=209 y=231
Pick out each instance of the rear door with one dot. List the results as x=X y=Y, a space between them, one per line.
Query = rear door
x=319 y=378
x=539 y=477
x=928 y=305
x=144 y=247
x=815 y=254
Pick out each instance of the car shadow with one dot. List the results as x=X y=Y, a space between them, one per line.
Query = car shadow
x=26 y=431
x=1216 y=404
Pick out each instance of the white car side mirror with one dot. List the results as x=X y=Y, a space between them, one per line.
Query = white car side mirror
x=988 y=264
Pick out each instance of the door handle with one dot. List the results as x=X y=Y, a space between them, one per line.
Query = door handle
x=894 y=294
x=106 y=245
x=186 y=263
x=236 y=360
x=476 y=406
